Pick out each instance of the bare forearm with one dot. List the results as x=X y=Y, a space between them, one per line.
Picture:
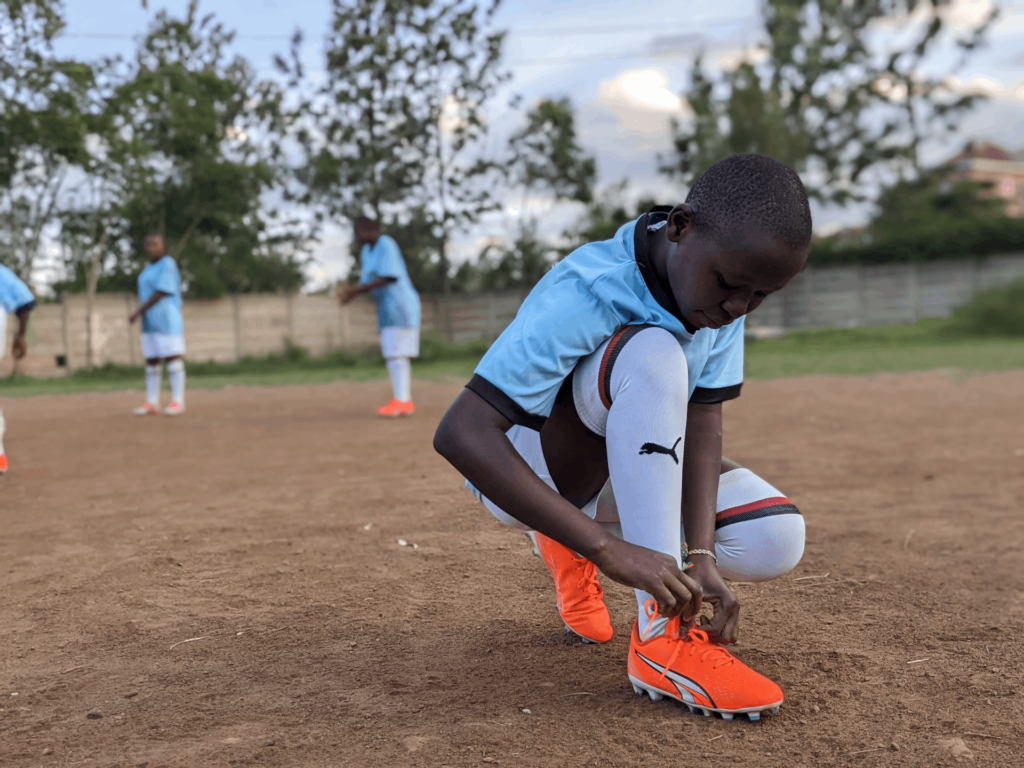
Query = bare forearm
x=702 y=461
x=150 y=302
x=475 y=443
x=23 y=322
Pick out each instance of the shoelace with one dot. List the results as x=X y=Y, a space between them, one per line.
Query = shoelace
x=692 y=641
x=588 y=578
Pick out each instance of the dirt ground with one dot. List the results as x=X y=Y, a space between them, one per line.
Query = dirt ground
x=228 y=588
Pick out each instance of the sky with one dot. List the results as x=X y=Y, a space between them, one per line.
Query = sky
x=623 y=68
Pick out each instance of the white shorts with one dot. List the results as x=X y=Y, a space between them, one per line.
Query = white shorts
x=162 y=345
x=396 y=341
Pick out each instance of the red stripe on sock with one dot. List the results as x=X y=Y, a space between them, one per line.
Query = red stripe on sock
x=606 y=398
x=760 y=504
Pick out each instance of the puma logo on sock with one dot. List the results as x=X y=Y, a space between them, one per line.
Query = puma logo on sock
x=649 y=448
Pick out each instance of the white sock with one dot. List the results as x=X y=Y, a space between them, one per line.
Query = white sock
x=644 y=435
x=3 y=426
x=400 y=370
x=759 y=533
x=154 y=376
x=176 y=374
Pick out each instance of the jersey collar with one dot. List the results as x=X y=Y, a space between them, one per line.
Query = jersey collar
x=660 y=289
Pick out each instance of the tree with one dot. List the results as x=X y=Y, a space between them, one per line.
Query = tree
x=837 y=93
x=191 y=147
x=604 y=215
x=544 y=157
x=932 y=200
x=395 y=130
x=43 y=125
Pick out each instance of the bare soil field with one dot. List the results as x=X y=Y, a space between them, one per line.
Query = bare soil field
x=229 y=588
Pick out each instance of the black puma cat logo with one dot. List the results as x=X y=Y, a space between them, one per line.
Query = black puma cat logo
x=648 y=448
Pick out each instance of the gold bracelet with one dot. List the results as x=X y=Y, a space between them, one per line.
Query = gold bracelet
x=707 y=552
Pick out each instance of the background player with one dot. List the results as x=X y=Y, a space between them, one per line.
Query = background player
x=607 y=387
x=384 y=276
x=163 y=335
x=15 y=299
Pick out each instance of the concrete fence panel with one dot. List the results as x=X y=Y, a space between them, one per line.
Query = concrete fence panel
x=227 y=329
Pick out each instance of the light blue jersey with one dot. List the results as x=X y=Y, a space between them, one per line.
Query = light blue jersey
x=14 y=294
x=398 y=304
x=165 y=315
x=579 y=305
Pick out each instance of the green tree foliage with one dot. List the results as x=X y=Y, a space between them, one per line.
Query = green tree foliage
x=934 y=216
x=932 y=200
x=519 y=265
x=545 y=157
x=43 y=124
x=395 y=130
x=842 y=89
x=192 y=148
x=604 y=215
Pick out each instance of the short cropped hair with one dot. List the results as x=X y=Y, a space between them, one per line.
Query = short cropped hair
x=751 y=189
x=364 y=221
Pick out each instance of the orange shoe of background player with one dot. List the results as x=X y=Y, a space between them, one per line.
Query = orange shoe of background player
x=396 y=408
x=580 y=597
x=3 y=463
x=688 y=667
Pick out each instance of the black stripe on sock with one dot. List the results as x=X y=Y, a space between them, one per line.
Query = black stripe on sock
x=755 y=514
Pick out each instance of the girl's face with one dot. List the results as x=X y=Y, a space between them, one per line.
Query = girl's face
x=715 y=284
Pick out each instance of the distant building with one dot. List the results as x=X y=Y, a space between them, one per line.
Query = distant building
x=991 y=164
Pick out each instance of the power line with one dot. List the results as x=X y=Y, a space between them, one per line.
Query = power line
x=523 y=32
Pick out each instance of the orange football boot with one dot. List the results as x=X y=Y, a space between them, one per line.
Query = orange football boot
x=3 y=463
x=396 y=408
x=688 y=667
x=579 y=595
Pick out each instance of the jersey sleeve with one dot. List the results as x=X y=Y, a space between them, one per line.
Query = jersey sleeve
x=367 y=265
x=722 y=376
x=14 y=294
x=522 y=371
x=389 y=261
x=166 y=278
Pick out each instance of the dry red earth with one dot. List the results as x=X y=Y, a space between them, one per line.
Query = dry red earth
x=262 y=528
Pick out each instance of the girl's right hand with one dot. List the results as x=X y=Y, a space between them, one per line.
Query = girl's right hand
x=654 y=572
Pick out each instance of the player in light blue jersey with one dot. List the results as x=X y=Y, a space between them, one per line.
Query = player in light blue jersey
x=15 y=299
x=163 y=335
x=597 y=414
x=383 y=275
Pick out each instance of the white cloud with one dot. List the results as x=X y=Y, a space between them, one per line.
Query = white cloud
x=987 y=86
x=644 y=89
x=730 y=60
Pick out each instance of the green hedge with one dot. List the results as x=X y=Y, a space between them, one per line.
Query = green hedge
x=952 y=240
x=999 y=312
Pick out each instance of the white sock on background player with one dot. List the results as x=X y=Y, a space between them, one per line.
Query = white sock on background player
x=400 y=370
x=176 y=375
x=644 y=434
x=154 y=377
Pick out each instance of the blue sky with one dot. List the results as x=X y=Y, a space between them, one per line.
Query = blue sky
x=622 y=67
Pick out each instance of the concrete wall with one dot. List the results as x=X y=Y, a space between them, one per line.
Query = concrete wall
x=884 y=294
x=233 y=327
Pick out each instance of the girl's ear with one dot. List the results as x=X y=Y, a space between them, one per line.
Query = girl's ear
x=680 y=222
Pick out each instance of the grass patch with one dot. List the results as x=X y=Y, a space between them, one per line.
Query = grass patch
x=926 y=345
